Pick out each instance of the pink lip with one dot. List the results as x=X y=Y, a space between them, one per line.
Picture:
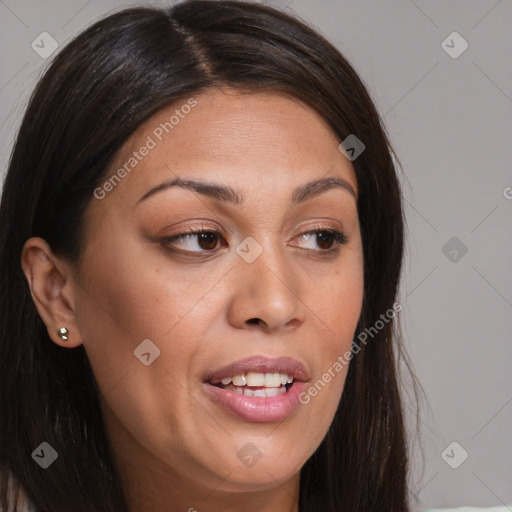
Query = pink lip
x=261 y=364
x=259 y=409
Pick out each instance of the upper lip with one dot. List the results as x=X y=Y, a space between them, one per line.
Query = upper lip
x=262 y=364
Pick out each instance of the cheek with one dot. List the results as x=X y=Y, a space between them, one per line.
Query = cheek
x=125 y=301
x=131 y=309
x=337 y=309
x=338 y=304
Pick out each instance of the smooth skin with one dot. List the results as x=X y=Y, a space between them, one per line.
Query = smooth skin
x=196 y=299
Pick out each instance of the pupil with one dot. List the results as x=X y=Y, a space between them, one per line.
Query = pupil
x=207 y=240
x=323 y=237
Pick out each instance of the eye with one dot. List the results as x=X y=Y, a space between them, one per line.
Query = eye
x=192 y=240
x=328 y=240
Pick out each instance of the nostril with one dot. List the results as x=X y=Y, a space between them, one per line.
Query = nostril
x=254 y=321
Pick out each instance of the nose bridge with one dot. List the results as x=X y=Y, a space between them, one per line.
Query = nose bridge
x=267 y=287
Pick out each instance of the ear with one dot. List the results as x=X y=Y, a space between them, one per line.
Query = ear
x=52 y=288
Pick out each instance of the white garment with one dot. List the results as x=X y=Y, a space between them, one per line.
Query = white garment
x=471 y=509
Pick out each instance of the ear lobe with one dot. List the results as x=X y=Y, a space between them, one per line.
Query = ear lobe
x=51 y=287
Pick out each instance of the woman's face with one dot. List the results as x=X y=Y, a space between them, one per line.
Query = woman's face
x=161 y=316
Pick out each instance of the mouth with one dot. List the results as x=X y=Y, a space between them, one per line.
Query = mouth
x=255 y=384
x=258 y=389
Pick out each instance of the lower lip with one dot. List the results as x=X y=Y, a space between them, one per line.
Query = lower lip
x=257 y=409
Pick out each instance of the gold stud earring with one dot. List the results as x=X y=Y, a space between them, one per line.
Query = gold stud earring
x=63 y=333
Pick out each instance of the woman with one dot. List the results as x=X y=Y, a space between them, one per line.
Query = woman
x=202 y=237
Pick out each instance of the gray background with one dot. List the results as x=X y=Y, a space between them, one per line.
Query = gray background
x=450 y=122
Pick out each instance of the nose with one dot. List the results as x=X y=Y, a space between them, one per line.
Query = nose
x=266 y=293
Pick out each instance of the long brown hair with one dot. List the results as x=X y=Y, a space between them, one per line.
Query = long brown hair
x=98 y=90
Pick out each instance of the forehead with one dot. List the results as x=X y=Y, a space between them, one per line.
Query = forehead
x=250 y=140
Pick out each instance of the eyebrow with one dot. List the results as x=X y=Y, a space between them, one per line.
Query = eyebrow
x=227 y=194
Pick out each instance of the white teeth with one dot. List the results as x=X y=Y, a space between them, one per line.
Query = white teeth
x=257 y=393
x=272 y=380
x=274 y=384
x=272 y=391
x=255 y=379
x=239 y=380
x=270 y=384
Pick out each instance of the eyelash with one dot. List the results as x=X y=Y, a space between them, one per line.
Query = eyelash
x=340 y=239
